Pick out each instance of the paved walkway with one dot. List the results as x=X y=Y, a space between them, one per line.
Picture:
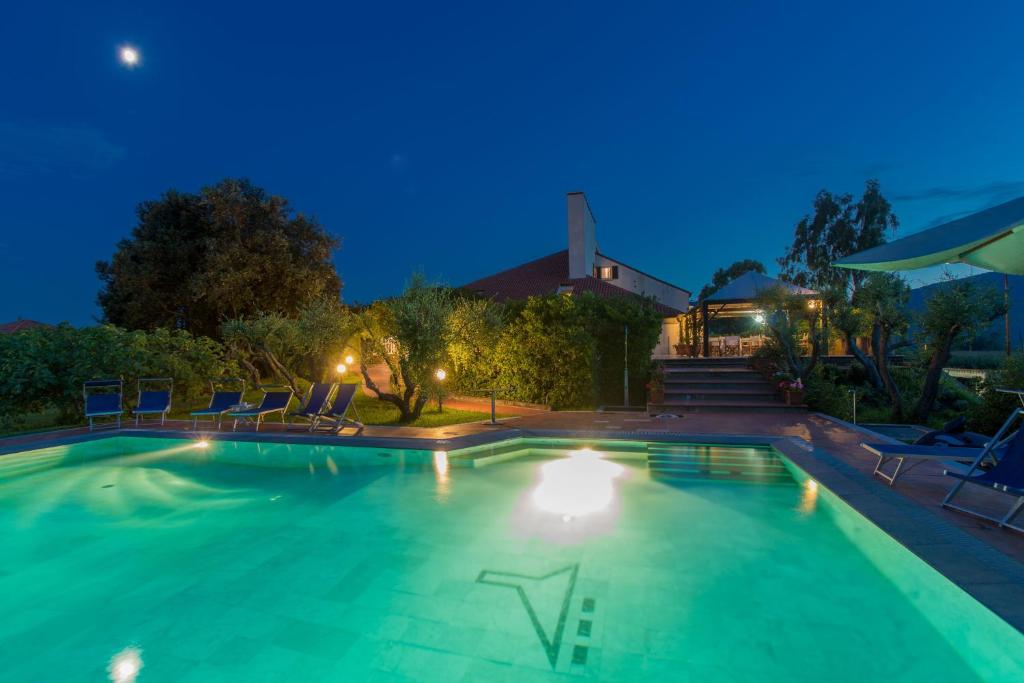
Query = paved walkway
x=925 y=485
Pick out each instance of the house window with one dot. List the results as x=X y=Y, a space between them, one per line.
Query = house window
x=606 y=272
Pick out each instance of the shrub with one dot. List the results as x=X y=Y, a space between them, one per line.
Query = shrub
x=992 y=410
x=545 y=355
x=42 y=369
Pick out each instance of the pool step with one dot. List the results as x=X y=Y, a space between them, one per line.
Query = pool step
x=716 y=462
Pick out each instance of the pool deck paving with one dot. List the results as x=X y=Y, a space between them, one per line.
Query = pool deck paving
x=985 y=560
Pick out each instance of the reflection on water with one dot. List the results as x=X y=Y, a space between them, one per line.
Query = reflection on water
x=577 y=485
x=124 y=667
x=808 y=497
x=441 y=466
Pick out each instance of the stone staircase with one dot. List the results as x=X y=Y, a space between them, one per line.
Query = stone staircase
x=717 y=385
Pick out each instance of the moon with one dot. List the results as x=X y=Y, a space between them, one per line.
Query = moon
x=129 y=56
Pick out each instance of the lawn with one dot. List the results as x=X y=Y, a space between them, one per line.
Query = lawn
x=371 y=411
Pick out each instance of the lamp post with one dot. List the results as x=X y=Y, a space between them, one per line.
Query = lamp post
x=439 y=374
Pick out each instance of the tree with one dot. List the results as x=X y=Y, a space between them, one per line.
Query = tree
x=230 y=251
x=724 y=276
x=957 y=308
x=409 y=335
x=839 y=227
x=790 y=320
x=878 y=309
x=304 y=347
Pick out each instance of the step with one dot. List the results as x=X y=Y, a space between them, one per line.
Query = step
x=723 y=406
x=712 y=375
x=698 y=384
x=687 y=395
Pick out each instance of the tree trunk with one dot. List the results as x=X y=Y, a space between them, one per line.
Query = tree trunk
x=406 y=414
x=881 y=352
x=931 y=380
x=866 y=361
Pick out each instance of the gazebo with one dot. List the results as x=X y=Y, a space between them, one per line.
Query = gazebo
x=738 y=299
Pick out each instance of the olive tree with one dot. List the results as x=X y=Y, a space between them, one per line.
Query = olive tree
x=958 y=308
x=408 y=334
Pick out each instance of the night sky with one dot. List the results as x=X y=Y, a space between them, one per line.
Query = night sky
x=443 y=137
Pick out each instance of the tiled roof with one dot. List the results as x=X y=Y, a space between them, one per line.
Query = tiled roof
x=548 y=275
x=19 y=325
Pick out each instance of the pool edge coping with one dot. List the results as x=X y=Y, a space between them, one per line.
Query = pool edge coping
x=989 y=576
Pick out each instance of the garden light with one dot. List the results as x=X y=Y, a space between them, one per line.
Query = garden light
x=349 y=360
x=759 y=318
x=340 y=367
x=440 y=375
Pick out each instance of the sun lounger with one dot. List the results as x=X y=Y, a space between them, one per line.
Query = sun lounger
x=336 y=418
x=275 y=401
x=316 y=401
x=221 y=401
x=153 y=401
x=908 y=456
x=100 y=401
x=1006 y=477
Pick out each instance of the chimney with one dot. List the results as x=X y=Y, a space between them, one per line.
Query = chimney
x=582 y=236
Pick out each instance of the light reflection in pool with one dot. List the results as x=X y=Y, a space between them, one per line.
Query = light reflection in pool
x=577 y=485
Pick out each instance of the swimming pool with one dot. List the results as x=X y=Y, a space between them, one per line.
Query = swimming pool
x=155 y=560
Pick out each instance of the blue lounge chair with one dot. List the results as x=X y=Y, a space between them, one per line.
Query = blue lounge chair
x=315 y=402
x=1006 y=477
x=221 y=401
x=275 y=401
x=154 y=401
x=100 y=401
x=336 y=418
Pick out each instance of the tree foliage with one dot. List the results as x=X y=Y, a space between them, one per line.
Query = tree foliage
x=791 y=320
x=546 y=354
x=227 y=252
x=838 y=227
x=43 y=367
x=993 y=409
x=877 y=310
x=724 y=276
x=570 y=352
x=291 y=348
x=958 y=308
x=409 y=335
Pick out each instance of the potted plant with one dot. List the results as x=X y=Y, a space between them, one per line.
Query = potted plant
x=793 y=391
x=656 y=385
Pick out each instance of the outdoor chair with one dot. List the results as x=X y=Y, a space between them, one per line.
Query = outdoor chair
x=336 y=418
x=1007 y=476
x=951 y=443
x=221 y=401
x=273 y=402
x=100 y=401
x=153 y=401
x=315 y=402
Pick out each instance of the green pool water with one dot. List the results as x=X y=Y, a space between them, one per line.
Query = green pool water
x=530 y=561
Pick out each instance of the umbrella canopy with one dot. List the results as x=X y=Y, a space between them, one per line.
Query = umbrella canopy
x=991 y=239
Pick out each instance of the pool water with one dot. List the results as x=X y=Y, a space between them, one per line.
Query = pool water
x=153 y=560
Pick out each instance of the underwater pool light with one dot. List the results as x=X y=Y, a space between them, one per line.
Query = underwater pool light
x=124 y=667
x=202 y=443
x=577 y=485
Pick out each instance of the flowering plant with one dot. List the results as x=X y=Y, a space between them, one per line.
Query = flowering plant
x=791 y=385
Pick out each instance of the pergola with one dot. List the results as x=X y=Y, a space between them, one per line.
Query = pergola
x=740 y=298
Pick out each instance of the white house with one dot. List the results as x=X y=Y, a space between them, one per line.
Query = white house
x=583 y=268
